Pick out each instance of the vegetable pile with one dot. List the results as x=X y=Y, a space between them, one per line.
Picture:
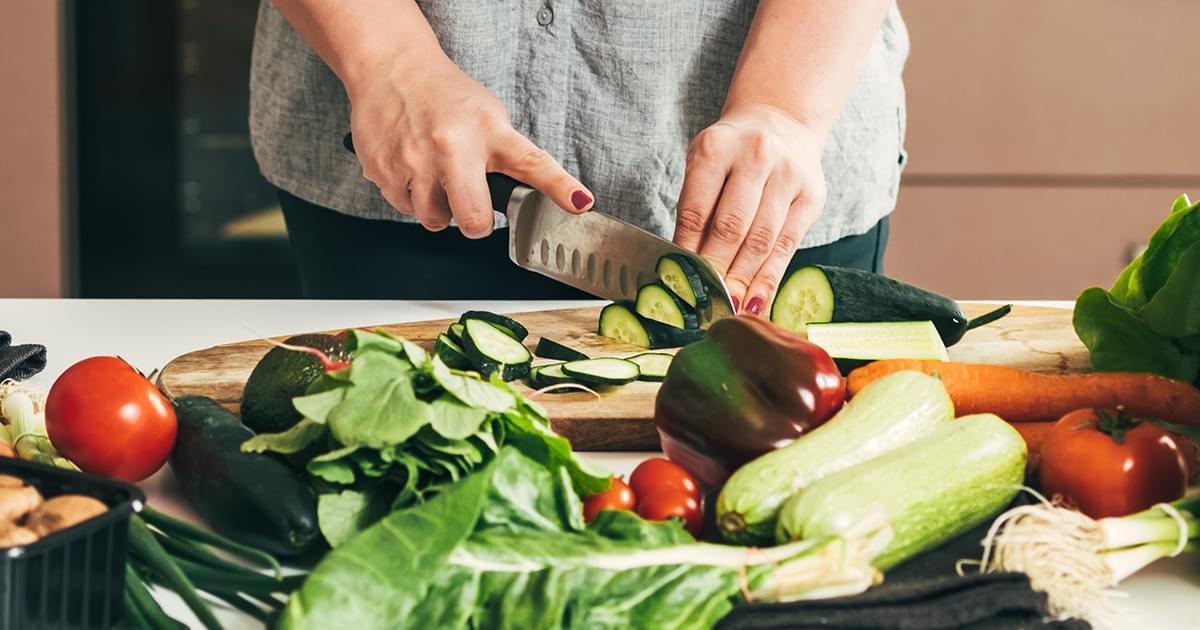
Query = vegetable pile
x=396 y=424
x=23 y=426
x=1149 y=320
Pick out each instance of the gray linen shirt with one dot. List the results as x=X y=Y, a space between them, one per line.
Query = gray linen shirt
x=614 y=89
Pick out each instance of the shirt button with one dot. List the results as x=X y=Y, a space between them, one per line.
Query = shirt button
x=545 y=16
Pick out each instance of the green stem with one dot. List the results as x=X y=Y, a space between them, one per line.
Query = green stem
x=191 y=532
x=243 y=604
x=250 y=582
x=989 y=317
x=188 y=550
x=147 y=607
x=146 y=547
x=133 y=614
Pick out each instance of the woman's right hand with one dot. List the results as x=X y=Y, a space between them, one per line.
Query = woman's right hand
x=427 y=134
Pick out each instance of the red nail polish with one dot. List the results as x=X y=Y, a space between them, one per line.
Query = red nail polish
x=736 y=303
x=580 y=199
x=754 y=305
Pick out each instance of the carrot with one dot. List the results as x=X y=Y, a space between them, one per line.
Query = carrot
x=1035 y=434
x=1019 y=395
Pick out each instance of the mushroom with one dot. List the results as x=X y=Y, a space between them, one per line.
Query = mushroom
x=16 y=536
x=62 y=512
x=16 y=502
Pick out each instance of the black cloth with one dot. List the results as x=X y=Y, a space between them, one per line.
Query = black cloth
x=20 y=362
x=343 y=257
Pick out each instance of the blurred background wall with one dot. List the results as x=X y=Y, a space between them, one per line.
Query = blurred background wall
x=1046 y=138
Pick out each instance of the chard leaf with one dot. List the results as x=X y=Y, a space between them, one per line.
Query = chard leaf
x=1121 y=342
x=454 y=420
x=380 y=414
x=316 y=407
x=472 y=391
x=1175 y=309
x=343 y=515
x=296 y=439
x=334 y=466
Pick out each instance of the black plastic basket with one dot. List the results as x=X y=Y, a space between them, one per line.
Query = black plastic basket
x=72 y=579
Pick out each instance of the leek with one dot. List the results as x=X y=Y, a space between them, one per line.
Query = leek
x=28 y=427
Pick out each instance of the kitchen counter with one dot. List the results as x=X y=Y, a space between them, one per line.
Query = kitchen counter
x=149 y=333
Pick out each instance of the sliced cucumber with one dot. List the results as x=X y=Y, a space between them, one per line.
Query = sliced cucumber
x=451 y=353
x=806 y=296
x=491 y=349
x=604 y=371
x=455 y=332
x=619 y=321
x=547 y=375
x=653 y=365
x=551 y=349
x=679 y=274
x=852 y=344
x=655 y=301
x=507 y=324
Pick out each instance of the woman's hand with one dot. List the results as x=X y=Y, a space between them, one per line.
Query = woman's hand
x=752 y=188
x=427 y=134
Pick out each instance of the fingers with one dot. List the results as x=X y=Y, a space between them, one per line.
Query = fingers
x=430 y=205
x=703 y=180
x=465 y=185
x=528 y=163
x=759 y=242
x=733 y=216
x=802 y=215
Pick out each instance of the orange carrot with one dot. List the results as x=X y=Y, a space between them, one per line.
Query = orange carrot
x=1019 y=395
x=1035 y=434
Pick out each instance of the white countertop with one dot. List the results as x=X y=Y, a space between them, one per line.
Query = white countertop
x=149 y=333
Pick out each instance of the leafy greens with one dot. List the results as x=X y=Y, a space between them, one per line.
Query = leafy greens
x=393 y=427
x=506 y=547
x=1149 y=321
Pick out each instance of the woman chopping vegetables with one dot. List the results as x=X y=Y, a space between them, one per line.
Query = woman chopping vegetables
x=764 y=135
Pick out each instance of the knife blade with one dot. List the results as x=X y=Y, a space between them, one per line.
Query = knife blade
x=593 y=252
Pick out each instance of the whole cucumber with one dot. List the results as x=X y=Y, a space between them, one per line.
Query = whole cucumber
x=252 y=498
x=931 y=490
x=886 y=414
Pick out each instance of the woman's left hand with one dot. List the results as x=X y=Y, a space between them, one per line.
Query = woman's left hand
x=752 y=188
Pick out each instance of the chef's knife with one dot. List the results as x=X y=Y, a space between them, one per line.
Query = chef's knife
x=593 y=252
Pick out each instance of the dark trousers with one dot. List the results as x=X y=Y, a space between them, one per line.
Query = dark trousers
x=344 y=257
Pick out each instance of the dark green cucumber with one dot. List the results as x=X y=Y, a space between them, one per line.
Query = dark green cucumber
x=619 y=321
x=547 y=375
x=657 y=302
x=492 y=349
x=455 y=332
x=551 y=349
x=603 y=371
x=680 y=275
x=505 y=323
x=653 y=365
x=280 y=376
x=451 y=353
x=820 y=294
x=252 y=498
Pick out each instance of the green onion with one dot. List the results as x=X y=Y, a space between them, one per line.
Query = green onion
x=190 y=532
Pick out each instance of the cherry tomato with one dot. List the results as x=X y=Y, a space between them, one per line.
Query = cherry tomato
x=104 y=416
x=1106 y=463
x=662 y=473
x=665 y=502
x=617 y=497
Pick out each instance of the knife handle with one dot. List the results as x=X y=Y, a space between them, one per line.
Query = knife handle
x=500 y=186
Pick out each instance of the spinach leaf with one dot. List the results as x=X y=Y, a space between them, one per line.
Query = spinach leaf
x=343 y=515
x=315 y=407
x=455 y=420
x=294 y=440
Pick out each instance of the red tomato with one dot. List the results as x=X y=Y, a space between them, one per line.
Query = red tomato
x=617 y=497
x=107 y=418
x=656 y=473
x=1106 y=463
x=666 y=502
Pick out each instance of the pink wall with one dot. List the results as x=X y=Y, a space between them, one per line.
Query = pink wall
x=31 y=173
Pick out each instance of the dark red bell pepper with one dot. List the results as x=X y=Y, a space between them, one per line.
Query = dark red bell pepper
x=747 y=388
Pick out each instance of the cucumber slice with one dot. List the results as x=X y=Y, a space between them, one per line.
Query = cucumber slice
x=546 y=375
x=455 y=332
x=451 y=353
x=619 y=321
x=878 y=340
x=806 y=296
x=679 y=274
x=655 y=301
x=604 y=371
x=491 y=349
x=507 y=324
x=653 y=365
x=551 y=349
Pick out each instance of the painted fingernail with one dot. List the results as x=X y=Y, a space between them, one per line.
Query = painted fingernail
x=736 y=303
x=580 y=199
x=754 y=305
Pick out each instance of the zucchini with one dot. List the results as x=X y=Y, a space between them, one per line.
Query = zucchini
x=679 y=274
x=251 y=498
x=492 y=349
x=551 y=349
x=619 y=321
x=886 y=414
x=932 y=489
x=653 y=365
x=853 y=344
x=505 y=323
x=451 y=353
x=655 y=301
x=819 y=294
x=605 y=371
x=455 y=332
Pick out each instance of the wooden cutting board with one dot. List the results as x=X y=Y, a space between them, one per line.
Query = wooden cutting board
x=1033 y=338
